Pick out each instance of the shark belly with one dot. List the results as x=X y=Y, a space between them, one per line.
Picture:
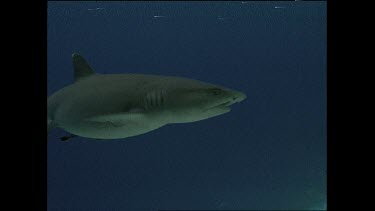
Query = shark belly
x=110 y=129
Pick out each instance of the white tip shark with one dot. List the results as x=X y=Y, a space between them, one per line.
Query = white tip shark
x=117 y=106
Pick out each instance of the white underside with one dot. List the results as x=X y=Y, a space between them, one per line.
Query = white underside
x=109 y=130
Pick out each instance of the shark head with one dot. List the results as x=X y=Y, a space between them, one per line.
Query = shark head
x=198 y=103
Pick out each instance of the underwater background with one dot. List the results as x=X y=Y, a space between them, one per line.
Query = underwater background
x=269 y=152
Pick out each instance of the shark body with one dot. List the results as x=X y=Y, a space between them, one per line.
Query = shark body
x=116 y=106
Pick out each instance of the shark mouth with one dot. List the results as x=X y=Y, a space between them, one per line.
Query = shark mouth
x=222 y=105
x=228 y=103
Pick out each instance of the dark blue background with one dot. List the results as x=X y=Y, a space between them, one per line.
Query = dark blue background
x=269 y=152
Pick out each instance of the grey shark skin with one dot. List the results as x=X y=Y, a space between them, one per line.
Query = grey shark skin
x=116 y=106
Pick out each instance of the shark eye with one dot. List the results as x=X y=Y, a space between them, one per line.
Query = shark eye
x=216 y=91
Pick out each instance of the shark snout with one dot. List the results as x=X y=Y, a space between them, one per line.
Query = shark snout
x=232 y=98
x=237 y=96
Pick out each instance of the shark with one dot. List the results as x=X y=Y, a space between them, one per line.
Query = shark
x=117 y=106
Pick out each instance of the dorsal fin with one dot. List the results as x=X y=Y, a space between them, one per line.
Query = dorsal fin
x=82 y=68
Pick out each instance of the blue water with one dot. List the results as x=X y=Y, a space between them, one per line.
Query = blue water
x=269 y=152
